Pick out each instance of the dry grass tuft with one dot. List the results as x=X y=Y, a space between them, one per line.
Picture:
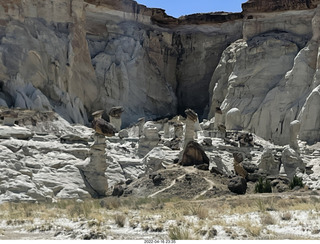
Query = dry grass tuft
x=200 y=211
x=253 y=229
x=179 y=233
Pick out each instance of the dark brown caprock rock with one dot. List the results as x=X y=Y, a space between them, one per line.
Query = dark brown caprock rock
x=101 y=126
x=115 y=117
x=116 y=112
x=238 y=167
x=194 y=155
x=191 y=114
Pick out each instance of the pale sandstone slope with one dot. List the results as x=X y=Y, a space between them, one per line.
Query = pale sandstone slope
x=271 y=74
x=76 y=57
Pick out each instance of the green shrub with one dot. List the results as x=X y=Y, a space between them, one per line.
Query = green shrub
x=296 y=181
x=263 y=186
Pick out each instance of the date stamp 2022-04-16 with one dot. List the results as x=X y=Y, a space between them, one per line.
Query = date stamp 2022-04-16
x=160 y=242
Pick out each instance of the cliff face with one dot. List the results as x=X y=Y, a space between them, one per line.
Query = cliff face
x=271 y=74
x=45 y=62
x=79 y=56
x=278 y=5
x=76 y=57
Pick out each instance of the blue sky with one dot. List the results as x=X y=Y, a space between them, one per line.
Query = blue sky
x=176 y=8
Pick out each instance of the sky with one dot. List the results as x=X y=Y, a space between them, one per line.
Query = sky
x=177 y=8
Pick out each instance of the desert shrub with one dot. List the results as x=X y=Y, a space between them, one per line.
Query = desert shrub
x=263 y=186
x=267 y=219
x=178 y=233
x=119 y=219
x=133 y=223
x=253 y=230
x=286 y=216
x=296 y=181
x=145 y=227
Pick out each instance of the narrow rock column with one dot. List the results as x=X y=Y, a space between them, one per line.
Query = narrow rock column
x=171 y=129
x=115 y=117
x=149 y=140
x=217 y=118
x=140 y=124
x=294 y=131
x=94 y=167
x=192 y=118
x=178 y=130
x=166 y=129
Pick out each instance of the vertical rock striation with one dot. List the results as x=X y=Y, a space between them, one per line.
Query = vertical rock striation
x=76 y=57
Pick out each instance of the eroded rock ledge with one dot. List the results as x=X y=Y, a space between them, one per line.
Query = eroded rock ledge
x=76 y=57
x=278 y=5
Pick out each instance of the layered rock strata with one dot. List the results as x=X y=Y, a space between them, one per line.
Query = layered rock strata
x=75 y=57
x=271 y=74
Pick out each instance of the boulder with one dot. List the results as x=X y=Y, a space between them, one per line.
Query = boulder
x=233 y=119
x=117 y=191
x=268 y=164
x=194 y=155
x=238 y=157
x=246 y=140
x=202 y=166
x=123 y=133
x=156 y=179
x=292 y=162
x=250 y=167
x=237 y=185
x=216 y=170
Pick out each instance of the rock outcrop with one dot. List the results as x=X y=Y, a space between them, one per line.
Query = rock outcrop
x=271 y=74
x=75 y=57
x=193 y=154
x=238 y=185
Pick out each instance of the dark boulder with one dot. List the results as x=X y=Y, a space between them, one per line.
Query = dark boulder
x=202 y=166
x=237 y=185
x=238 y=157
x=250 y=167
x=156 y=179
x=216 y=170
x=194 y=155
x=117 y=191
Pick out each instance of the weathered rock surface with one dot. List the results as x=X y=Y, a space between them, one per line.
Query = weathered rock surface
x=154 y=65
x=238 y=185
x=276 y=5
x=193 y=154
x=268 y=164
x=75 y=57
x=292 y=162
x=270 y=101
